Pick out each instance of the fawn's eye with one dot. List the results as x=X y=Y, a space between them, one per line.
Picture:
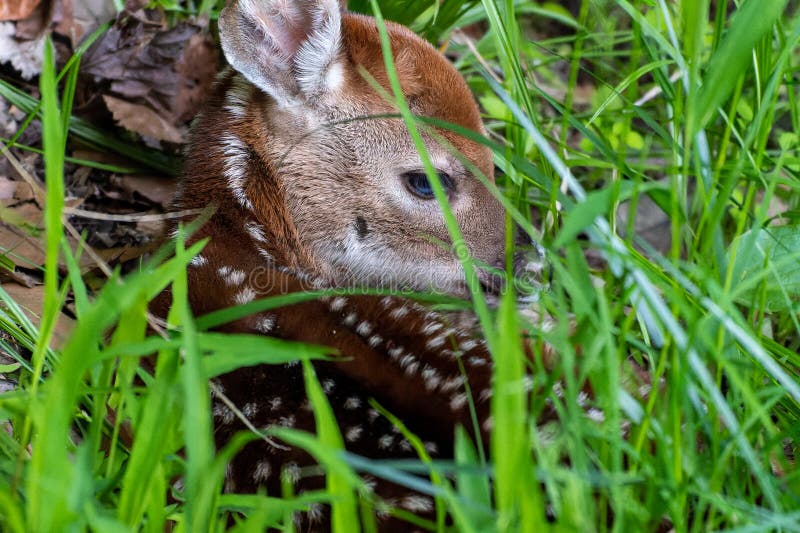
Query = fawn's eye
x=419 y=185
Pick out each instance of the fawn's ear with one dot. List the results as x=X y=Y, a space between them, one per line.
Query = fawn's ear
x=289 y=49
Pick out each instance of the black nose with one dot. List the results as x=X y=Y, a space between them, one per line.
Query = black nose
x=531 y=272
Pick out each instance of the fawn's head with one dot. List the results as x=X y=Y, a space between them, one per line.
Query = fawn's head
x=353 y=181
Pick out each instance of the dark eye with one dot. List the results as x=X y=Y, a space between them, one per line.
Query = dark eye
x=418 y=184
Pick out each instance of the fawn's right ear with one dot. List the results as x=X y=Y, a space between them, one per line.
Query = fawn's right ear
x=289 y=49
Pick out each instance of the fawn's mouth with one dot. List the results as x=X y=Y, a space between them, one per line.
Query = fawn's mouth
x=531 y=275
x=492 y=281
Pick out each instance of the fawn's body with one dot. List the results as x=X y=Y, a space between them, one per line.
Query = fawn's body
x=311 y=191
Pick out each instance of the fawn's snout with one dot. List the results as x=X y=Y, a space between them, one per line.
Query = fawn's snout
x=529 y=272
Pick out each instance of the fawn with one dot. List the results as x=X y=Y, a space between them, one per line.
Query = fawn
x=315 y=183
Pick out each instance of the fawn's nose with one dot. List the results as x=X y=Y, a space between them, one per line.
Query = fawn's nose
x=530 y=271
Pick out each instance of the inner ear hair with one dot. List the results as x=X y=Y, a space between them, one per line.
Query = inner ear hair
x=284 y=48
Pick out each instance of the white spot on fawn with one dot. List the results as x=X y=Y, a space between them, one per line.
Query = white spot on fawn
x=433 y=327
x=244 y=296
x=262 y=471
x=436 y=342
x=398 y=312
x=353 y=402
x=477 y=360
x=353 y=433
x=364 y=328
x=198 y=261
x=395 y=352
x=431 y=447
x=375 y=341
x=407 y=360
x=315 y=513
x=431 y=377
x=412 y=368
x=595 y=414
x=452 y=384
x=350 y=319
x=267 y=324
x=468 y=345
x=250 y=409
x=582 y=399
x=328 y=385
x=458 y=401
x=230 y=484
x=338 y=303
x=417 y=503
x=370 y=482
x=232 y=276
x=223 y=412
x=275 y=403
x=386 y=441
x=291 y=472
x=287 y=421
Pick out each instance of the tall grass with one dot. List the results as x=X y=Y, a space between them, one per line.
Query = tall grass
x=690 y=107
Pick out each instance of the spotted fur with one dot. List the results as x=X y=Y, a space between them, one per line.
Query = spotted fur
x=307 y=194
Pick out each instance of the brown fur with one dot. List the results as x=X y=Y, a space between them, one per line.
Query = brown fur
x=299 y=181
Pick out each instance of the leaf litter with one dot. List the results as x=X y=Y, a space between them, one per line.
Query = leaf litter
x=144 y=79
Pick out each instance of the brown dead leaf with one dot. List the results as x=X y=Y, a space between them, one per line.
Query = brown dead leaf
x=197 y=68
x=124 y=254
x=22 y=238
x=142 y=120
x=18 y=277
x=24 y=192
x=157 y=190
x=7 y=189
x=17 y=9
x=78 y=18
x=31 y=300
x=34 y=26
x=168 y=71
x=23 y=249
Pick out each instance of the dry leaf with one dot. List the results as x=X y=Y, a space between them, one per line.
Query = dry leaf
x=142 y=120
x=168 y=71
x=31 y=300
x=7 y=188
x=22 y=238
x=17 y=9
x=76 y=19
x=23 y=249
x=18 y=277
x=157 y=190
x=198 y=68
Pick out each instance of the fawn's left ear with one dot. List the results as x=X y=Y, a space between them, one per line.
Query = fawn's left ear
x=289 y=49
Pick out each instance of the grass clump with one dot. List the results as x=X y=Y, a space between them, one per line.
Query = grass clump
x=682 y=113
